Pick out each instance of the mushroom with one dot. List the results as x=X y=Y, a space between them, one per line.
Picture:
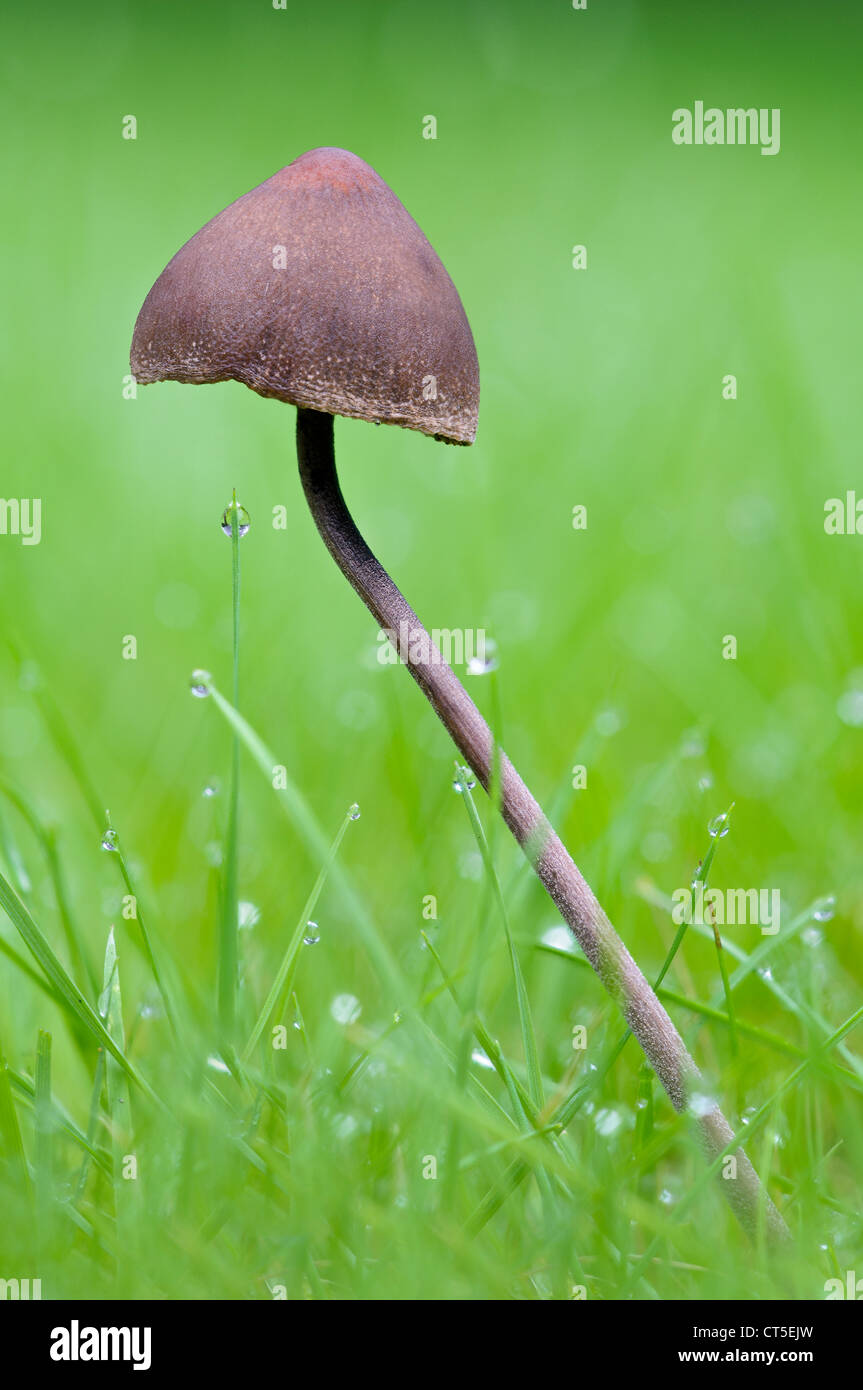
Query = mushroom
x=318 y=288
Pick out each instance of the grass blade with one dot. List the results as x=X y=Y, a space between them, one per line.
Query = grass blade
x=71 y=997
x=284 y=975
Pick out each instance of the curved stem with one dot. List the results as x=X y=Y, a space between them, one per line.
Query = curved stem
x=572 y=896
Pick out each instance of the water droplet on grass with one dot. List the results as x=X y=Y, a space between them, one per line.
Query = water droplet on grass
x=248 y=916
x=666 y=1197
x=719 y=826
x=470 y=865
x=849 y=707
x=313 y=934
x=464 y=780
x=607 y=1122
x=244 y=521
x=199 y=684
x=111 y=841
x=812 y=936
x=484 y=661
x=346 y=1008
x=354 y=811
x=824 y=909
x=211 y=789
x=215 y=1063
x=481 y=1058
x=608 y=722
x=560 y=938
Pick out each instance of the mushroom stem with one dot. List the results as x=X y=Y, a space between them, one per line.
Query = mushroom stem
x=555 y=868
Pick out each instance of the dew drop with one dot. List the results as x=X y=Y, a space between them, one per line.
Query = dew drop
x=248 y=916
x=199 y=684
x=464 y=780
x=765 y=972
x=849 y=707
x=812 y=936
x=719 y=827
x=470 y=865
x=354 y=811
x=824 y=909
x=666 y=1197
x=244 y=521
x=560 y=938
x=313 y=934
x=216 y=1064
x=111 y=841
x=705 y=782
x=693 y=745
x=346 y=1008
x=607 y=1122
x=345 y=1126
x=481 y=1058
x=484 y=661
x=211 y=789
x=608 y=722
x=700 y=1105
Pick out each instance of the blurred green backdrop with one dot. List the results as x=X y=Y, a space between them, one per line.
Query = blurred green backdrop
x=600 y=387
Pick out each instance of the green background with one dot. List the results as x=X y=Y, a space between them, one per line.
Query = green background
x=600 y=387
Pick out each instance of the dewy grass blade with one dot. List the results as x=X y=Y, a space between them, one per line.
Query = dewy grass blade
x=746 y=1132
x=534 y=1074
x=765 y=1036
x=119 y=1101
x=47 y=840
x=281 y=983
x=699 y=882
x=228 y=937
x=72 y=998
x=44 y=1110
x=10 y=1130
x=306 y=824
x=115 y=845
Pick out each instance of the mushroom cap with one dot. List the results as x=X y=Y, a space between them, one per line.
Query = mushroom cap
x=317 y=288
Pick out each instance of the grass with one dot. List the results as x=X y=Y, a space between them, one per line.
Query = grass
x=401 y=1150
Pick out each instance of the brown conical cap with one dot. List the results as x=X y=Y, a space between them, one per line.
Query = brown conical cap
x=317 y=288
